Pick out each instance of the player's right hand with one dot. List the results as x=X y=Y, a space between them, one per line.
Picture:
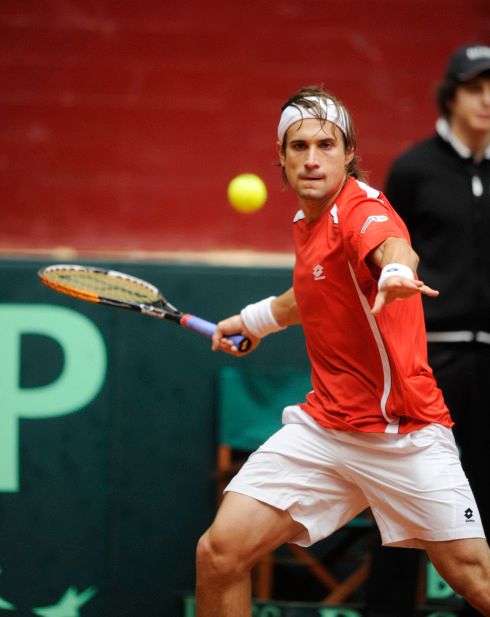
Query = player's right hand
x=227 y=327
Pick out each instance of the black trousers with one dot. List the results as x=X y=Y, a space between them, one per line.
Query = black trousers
x=462 y=371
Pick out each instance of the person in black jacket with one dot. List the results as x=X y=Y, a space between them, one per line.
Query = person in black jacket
x=441 y=189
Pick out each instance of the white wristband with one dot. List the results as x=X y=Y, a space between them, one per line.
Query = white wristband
x=395 y=270
x=258 y=318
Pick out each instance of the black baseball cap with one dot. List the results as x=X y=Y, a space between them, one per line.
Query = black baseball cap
x=468 y=62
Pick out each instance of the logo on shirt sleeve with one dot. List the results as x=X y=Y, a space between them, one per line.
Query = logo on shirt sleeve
x=381 y=218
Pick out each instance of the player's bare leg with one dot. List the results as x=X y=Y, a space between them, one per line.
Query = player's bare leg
x=244 y=531
x=465 y=566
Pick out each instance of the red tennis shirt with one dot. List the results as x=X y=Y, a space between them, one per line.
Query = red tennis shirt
x=368 y=373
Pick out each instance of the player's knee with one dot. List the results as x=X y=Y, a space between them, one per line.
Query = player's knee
x=476 y=590
x=478 y=585
x=471 y=579
x=216 y=559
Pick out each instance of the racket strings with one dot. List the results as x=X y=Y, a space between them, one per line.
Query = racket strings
x=101 y=284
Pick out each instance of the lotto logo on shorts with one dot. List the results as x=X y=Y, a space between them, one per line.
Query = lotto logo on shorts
x=468 y=513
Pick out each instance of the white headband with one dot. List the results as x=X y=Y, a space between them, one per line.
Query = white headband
x=293 y=113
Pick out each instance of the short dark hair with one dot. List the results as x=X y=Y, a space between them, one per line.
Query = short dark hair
x=446 y=92
x=299 y=99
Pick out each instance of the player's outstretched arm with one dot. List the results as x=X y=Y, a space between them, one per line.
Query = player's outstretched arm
x=398 y=263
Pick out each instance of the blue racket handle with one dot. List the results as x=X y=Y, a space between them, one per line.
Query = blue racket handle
x=207 y=328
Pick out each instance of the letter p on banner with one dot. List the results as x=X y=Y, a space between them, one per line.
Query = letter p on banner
x=82 y=376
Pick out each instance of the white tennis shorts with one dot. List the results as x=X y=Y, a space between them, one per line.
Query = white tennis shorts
x=413 y=483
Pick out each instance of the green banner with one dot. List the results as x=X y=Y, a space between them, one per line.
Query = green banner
x=107 y=439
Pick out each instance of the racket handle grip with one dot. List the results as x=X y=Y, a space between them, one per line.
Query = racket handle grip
x=207 y=328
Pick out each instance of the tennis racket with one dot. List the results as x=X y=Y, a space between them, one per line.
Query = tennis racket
x=124 y=291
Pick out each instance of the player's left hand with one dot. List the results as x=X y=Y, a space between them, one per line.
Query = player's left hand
x=400 y=288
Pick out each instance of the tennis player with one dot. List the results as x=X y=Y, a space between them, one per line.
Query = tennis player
x=375 y=430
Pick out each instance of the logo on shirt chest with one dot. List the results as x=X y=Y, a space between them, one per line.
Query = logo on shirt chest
x=318 y=272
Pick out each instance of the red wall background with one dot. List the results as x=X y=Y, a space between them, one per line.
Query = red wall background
x=123 y=121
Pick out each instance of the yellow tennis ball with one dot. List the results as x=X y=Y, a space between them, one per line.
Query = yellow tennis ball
x=247 y=193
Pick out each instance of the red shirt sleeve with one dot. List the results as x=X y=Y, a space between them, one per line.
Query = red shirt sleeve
x=367 y=224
